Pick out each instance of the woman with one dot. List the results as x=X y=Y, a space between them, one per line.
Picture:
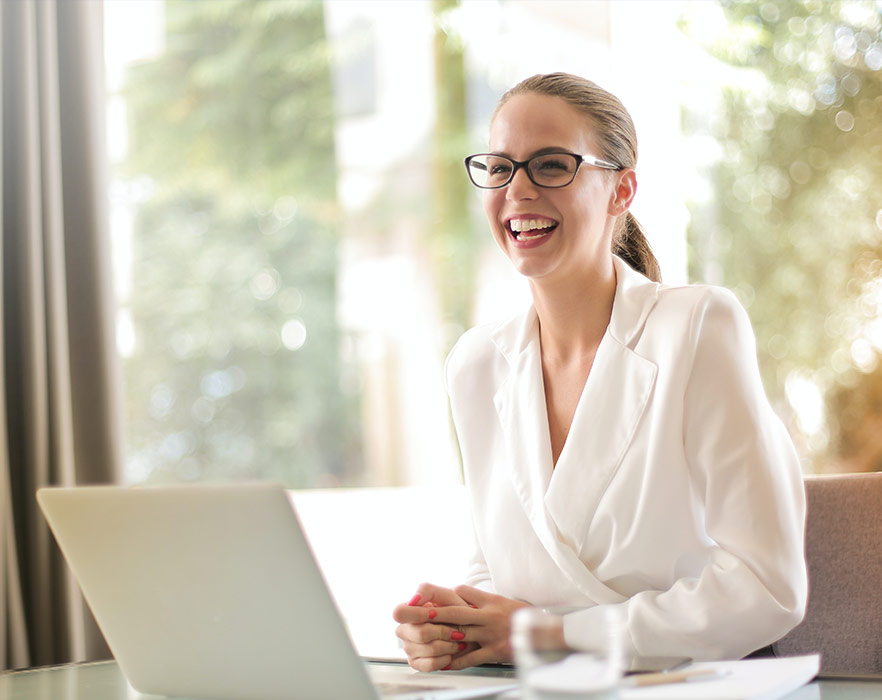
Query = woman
x=617 y=444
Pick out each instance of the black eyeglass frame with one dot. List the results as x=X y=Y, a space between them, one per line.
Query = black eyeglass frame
x=518 y=164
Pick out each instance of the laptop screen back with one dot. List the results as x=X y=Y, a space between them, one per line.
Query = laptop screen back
x=206 y=591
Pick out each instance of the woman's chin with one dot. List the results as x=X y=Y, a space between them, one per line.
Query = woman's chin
x=531 y=269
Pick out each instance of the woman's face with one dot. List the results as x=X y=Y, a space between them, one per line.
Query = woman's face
x=562 y=232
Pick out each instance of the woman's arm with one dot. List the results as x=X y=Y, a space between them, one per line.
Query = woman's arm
x=746 y=477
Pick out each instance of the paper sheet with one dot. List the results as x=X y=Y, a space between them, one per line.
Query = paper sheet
x=749 y=679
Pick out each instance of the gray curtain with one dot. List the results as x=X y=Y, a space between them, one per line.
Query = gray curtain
x=59 y=374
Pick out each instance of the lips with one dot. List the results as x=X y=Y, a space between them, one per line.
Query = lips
x=530 y=228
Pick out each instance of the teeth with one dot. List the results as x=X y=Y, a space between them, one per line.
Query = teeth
x=521 y=225
x=525 y=237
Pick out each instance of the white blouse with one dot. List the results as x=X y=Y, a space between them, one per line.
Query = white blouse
x=678 y=494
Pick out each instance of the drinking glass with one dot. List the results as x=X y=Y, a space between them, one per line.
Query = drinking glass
x=549 y=669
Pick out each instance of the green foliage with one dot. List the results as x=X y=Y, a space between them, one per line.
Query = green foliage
x=453 y=239
x=241 y=98
x=796 y=225
x=236 y=368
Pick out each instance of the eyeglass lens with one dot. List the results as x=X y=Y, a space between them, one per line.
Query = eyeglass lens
x=551 y=170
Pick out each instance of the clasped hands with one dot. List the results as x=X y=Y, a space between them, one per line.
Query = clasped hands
x=454 y=628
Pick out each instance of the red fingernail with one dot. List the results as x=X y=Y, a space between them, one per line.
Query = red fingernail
x=446 y=668
x=461 y=646
x=432 y=613
x=415 y=599
x=473 y=606
x=456 y=636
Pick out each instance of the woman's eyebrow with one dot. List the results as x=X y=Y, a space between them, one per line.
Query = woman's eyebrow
x=539 y=152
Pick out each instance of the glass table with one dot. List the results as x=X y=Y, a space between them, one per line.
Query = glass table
x=104 y=681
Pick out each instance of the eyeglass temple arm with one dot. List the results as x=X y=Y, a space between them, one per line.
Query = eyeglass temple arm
x=597 y=162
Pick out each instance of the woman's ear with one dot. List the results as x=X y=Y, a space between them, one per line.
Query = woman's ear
x=623 y=192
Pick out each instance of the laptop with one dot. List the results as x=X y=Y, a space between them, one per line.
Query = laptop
x=212 y=591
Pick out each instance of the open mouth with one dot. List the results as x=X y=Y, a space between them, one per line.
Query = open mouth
x=530 y=229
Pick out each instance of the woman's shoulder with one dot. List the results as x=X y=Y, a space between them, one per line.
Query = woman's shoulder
x=696 y=292
x=476 y=344
x=701 y=309
x=689 y=300
x=643 y=304
x=472 y=352
x=486 y=344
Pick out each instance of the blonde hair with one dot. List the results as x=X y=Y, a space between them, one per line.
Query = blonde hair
x=617 y=140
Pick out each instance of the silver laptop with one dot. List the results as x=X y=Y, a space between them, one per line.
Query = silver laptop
x=212 y=591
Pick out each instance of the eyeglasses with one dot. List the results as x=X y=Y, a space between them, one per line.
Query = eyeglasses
x=490 y=171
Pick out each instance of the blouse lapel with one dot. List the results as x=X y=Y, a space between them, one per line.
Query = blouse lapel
x=606 y=419
x=520 y=403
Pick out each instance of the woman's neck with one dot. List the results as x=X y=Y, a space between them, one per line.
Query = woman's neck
x=574 y=314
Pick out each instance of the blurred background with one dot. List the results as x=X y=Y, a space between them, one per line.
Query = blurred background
x=296 y=245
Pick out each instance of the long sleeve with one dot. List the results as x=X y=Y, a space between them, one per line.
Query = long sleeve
x=478 y=574
x=745 y=475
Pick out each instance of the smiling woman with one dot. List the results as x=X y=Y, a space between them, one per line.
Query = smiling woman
x=295 y=251
x=603 y=429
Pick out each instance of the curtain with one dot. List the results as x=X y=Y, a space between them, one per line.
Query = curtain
x=59 y=373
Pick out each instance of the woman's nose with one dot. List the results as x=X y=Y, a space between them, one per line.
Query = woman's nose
x=521 y=186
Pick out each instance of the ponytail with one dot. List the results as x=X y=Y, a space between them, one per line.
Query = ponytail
x=630 y=244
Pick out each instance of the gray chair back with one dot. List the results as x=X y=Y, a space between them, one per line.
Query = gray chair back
x=844 y=554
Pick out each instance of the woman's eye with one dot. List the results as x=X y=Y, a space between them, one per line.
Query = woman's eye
x=551 y=165
x=499 y=169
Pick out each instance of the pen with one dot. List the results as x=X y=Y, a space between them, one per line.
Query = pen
x=673 y=676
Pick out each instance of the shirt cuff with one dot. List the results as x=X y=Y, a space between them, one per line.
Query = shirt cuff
x=584 y=629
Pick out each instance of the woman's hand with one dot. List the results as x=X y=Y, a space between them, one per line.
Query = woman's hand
x=430 y=646
x=485 y=622
x=444 y=628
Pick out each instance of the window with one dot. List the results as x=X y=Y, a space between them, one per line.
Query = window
x=297 y=246
x=793 y=220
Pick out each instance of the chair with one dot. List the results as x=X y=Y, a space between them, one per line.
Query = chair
x=844 y=553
